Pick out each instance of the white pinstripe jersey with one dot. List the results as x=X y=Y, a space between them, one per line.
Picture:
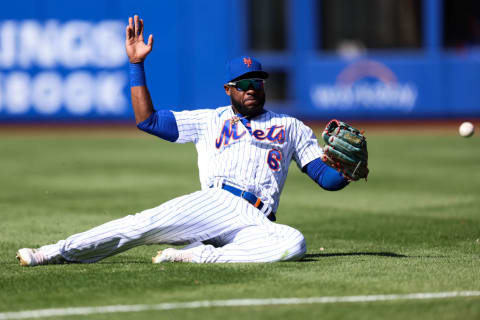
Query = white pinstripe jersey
x=257 y=162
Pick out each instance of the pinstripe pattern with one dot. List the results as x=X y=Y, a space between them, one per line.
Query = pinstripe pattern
x=194 y=217
x=232 y=229
x=267 y=243
x=243 y=162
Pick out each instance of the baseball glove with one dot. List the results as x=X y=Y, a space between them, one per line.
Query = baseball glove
x=345 y=150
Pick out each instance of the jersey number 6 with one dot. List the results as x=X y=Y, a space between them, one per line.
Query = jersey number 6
x=273 y=159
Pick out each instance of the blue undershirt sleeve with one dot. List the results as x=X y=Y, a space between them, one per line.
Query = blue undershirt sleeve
x=325 y=176
x=161 y=124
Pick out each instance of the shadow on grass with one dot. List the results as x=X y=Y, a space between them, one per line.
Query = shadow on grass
x=311 y=257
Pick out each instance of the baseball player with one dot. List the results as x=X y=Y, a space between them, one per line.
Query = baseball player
x=244 y=152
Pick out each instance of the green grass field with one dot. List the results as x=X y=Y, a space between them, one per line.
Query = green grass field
x=413 y=227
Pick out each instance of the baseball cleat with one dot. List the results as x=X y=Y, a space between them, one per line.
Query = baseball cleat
x=30 y=257
x=172 y=255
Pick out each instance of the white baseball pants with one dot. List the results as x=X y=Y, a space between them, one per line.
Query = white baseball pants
x=233 y=230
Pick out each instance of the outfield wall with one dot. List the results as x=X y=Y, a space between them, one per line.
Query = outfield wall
x=65 y=61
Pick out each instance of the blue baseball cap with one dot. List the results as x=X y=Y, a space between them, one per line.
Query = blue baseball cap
x=245 y=67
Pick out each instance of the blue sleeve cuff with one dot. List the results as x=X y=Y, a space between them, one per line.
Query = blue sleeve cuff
x=325 y=176
x=161 y=124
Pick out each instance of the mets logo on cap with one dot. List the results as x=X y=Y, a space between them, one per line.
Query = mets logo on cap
x=247 y=61
x=245 y=66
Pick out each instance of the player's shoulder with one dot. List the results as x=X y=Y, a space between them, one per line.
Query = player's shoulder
x=219 y=111
x=200 y=112
x=215 y=111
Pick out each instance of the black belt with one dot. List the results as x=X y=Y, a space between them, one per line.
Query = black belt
x=251 y=198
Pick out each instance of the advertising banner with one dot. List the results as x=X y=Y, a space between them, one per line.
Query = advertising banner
x=66 y=61
x=54 y=68
x=377 y=88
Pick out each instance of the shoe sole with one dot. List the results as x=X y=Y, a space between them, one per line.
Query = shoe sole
x=21 y=260
x=159 y=253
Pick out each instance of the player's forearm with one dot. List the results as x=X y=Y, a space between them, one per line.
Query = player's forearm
x=159 y=123
x=325 y=176
x=141 y=102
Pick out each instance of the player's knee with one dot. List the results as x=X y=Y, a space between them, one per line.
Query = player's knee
x=301 y=246
x=298 y=246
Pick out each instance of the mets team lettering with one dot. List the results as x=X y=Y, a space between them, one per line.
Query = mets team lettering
x=230 y=131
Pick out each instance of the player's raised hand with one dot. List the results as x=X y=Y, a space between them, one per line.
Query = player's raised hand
x=137 y=50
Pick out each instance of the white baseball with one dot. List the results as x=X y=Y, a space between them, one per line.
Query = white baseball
x=466 y=129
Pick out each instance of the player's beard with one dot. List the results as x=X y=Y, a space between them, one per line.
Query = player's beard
x=248 y=111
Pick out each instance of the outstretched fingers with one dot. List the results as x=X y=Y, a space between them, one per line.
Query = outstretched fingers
x=140 y=29
x=150 y=42
x=135 y=45
x=128 y=33
x=134 y=28
x=135 y=23
x=129 y=29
